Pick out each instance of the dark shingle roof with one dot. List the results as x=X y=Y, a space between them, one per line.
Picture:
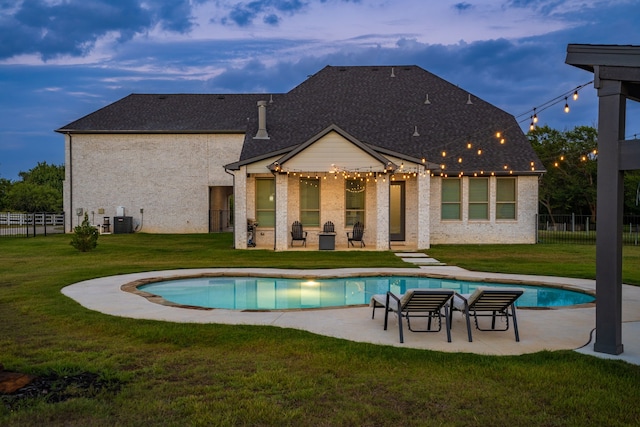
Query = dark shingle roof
x=384 y=106
x=170 y=113
x=380 y=106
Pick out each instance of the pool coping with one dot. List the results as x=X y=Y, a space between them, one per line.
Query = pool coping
x=557 y=329
x=134 y=287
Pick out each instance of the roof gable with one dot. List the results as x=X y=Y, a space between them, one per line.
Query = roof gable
x=331 y=150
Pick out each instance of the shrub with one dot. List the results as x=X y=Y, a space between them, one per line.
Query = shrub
x=85 y=236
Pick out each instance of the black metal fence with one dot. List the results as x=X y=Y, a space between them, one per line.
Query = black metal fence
x=31 y=224
x=581 y=229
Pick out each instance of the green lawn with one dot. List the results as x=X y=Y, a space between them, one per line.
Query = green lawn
x=159 y=373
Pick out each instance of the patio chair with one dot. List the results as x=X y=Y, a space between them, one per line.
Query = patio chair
x=298 y=234
x=328 y=227
x=497 y=303
x=427 y=303
x=356 y=235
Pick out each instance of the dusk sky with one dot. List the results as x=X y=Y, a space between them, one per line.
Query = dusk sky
x=63 y=59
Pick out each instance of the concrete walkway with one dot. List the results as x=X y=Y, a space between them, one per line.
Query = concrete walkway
x=546 y=329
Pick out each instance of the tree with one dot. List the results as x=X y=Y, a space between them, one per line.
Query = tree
x=570 y=157
x=85 y=236
x=26 y=197
x=40 y=190
x=5 y=187
x=45 y=175
x=632 y=192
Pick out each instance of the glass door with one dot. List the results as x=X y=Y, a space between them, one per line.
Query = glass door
x=396 y=211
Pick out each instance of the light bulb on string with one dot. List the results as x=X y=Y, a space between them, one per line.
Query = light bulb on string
x=575 y=95
x=566 y=105
x=535 y=117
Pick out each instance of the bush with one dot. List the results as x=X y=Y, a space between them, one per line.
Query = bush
x=85 y=236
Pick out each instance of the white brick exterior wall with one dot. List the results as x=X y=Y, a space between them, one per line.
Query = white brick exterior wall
x=166 y=175
x=169 y=177
x=521 y=230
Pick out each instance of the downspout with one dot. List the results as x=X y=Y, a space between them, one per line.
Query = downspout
x=70 y=182
x=275 y=211
x=235 y=226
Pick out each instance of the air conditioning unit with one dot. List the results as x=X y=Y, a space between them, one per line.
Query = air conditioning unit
x=122 y=224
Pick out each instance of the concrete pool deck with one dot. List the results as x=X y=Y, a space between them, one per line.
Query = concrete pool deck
x=540 y=329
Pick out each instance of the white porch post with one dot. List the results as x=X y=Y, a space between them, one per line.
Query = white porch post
x=240 y=209
x=282 y=217
x=382 y=215
x=424 y=220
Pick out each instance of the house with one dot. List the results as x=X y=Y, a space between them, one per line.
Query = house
x=416 y=159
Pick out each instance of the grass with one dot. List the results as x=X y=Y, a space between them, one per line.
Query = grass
x=184 y=374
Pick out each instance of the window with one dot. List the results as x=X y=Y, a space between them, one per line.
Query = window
x=310 y=201
x=506 y=198
x=354 y=201
x=450 y=208
x=265 y=202
x=478 y=198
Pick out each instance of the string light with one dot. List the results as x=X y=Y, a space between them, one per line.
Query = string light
x=566 y=105
x=575 y=95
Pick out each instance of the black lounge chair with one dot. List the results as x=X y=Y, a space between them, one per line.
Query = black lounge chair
x=356 y=235
x=493 y=302
x=416 y=303
x=297 y=234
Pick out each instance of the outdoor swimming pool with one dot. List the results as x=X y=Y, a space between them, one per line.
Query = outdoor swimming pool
x=268 y=293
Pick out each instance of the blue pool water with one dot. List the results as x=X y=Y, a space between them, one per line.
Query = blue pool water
x=264 y=293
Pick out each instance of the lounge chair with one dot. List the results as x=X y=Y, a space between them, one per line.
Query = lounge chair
x=493 y=302
x=356 y=235
x=298 y=234
x=416 y=303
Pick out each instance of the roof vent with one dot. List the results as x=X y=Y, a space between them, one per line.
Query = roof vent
x=262 y=121
x=415 y=131
x=426 y=101
x=469 y=100
x=392 y=72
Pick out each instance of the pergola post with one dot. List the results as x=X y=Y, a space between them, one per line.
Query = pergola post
x=611 y=125
x=616 y=71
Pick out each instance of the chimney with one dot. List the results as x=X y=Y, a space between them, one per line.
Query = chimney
x=262 y=121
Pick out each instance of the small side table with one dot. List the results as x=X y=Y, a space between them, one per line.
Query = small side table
x=327 y=241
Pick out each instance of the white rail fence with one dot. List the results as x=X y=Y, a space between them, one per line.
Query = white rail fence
x=26 y=224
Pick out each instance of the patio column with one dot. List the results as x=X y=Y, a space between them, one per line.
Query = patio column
x=382 y=215
x=611 y=127
x=424 y=222
x=282 y=226
x=240 y=208
x=616 y=72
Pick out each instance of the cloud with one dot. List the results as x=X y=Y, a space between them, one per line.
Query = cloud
x=462 y=7
x=52 y=29
x=244 y=14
